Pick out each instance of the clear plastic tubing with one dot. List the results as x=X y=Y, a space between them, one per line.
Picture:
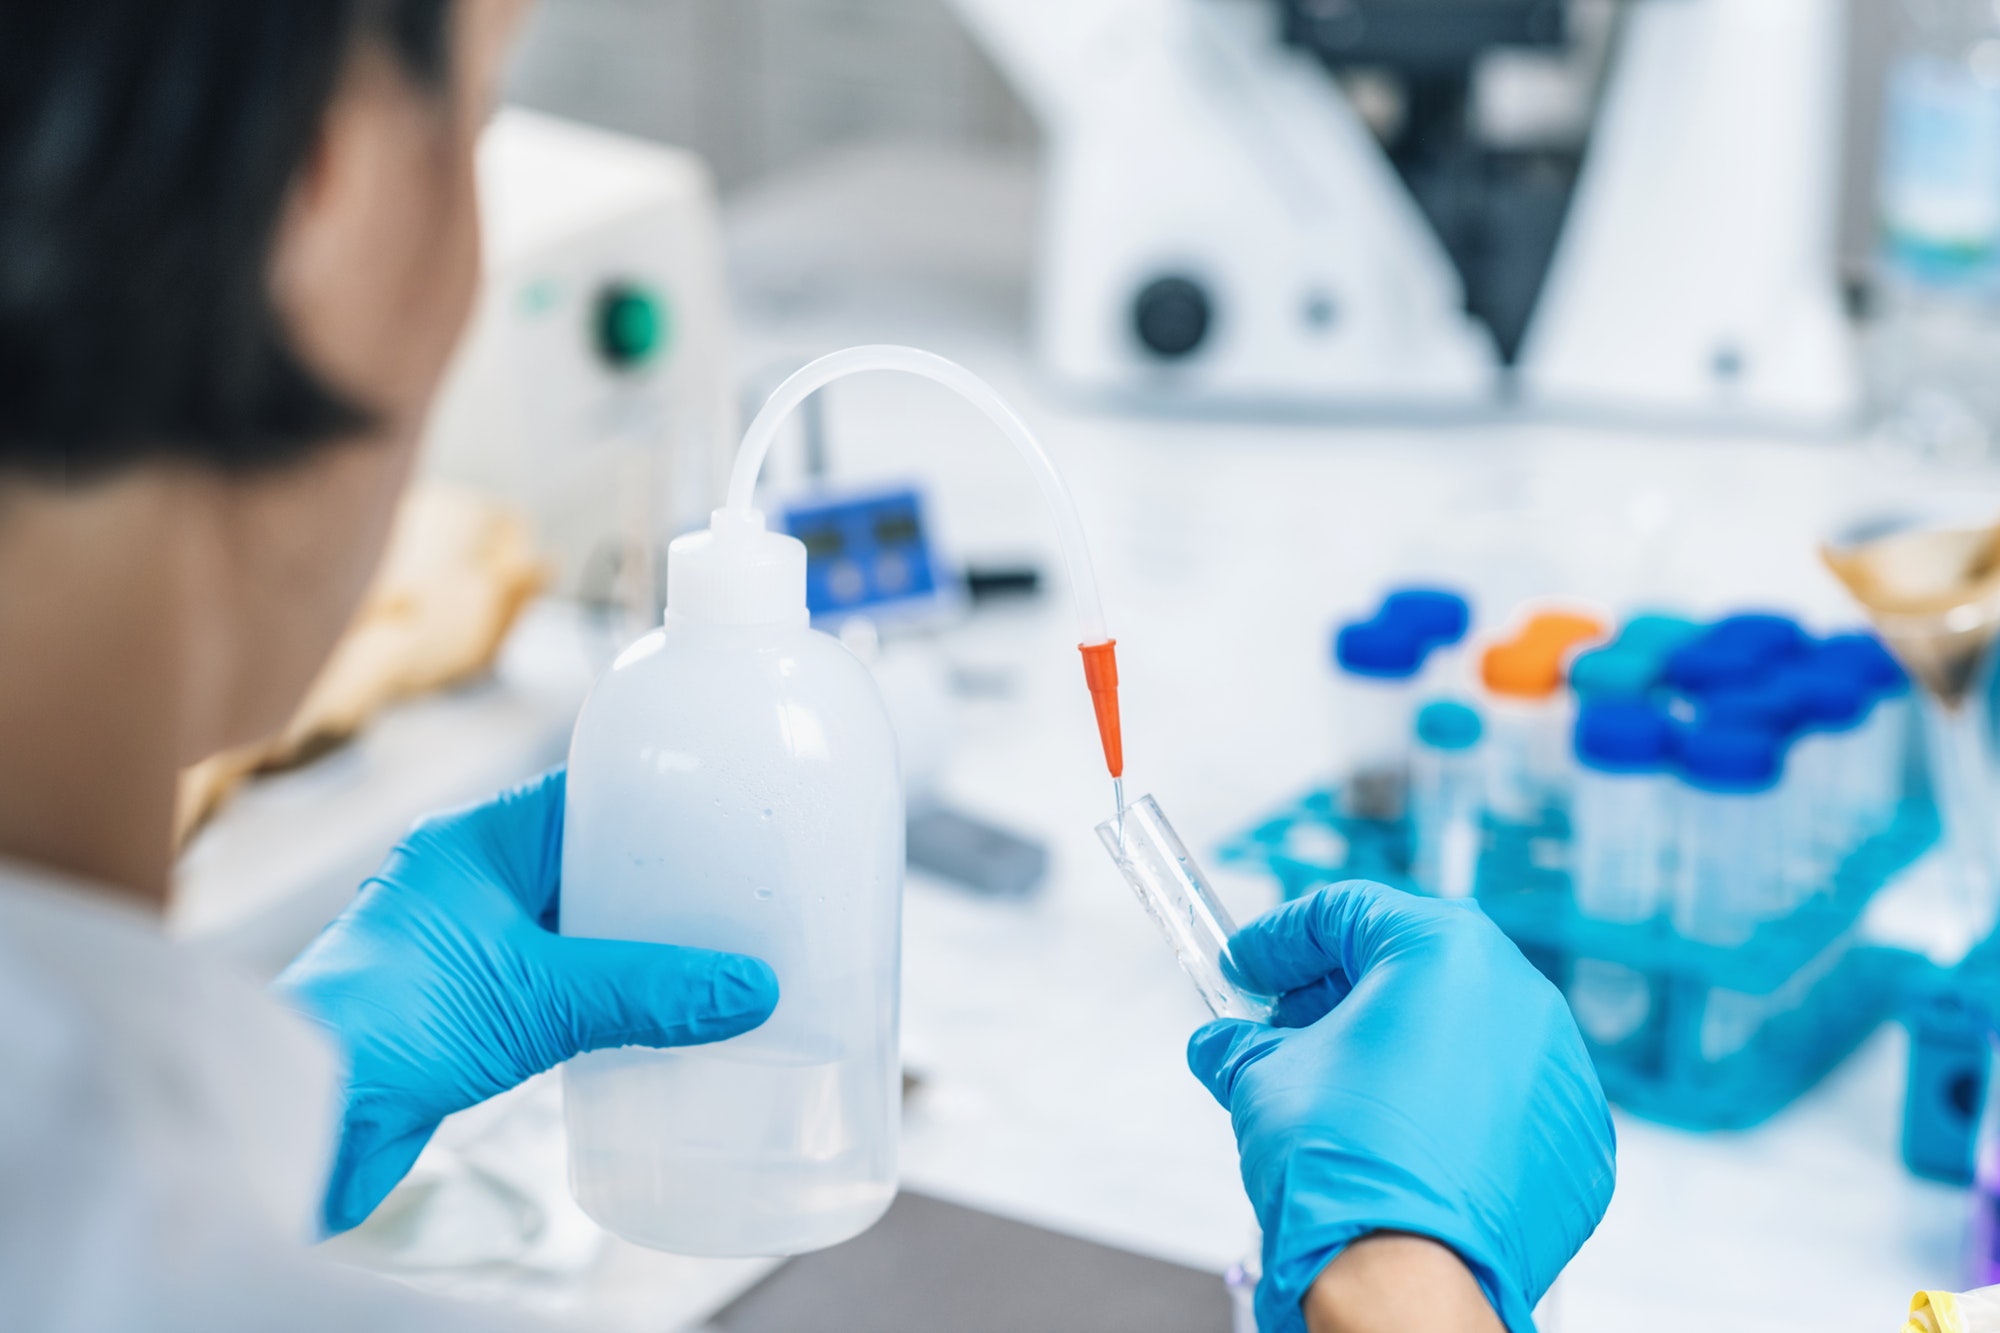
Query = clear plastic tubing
x=1446 y=794
x=815 y=376
x=1377 y=666
x=1622 y=811
x=1730 y=864
x=1175 y=893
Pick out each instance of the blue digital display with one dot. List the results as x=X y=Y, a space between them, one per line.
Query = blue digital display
x=865 y=553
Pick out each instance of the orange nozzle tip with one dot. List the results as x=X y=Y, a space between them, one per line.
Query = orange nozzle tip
x=1100 y=673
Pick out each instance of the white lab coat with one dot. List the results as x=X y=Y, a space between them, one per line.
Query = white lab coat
x=165 y=1130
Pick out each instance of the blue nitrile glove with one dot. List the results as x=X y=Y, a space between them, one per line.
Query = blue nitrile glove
x=445 y=985
x=1423 y=1078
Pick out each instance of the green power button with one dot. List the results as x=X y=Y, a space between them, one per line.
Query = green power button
x=631 y=326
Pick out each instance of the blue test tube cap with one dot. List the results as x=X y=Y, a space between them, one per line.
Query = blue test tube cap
x=1438 y=616
x=1827 y=698
x=1614 y=673
x=1446 y=724
x=1730 y=760
x=1867 y=660
x=1772 y=637
x=1624 y=736
x=1378 y=649
x=1765 y=707
x=1707 y=665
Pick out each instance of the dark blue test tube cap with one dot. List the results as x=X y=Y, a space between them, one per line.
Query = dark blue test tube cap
x=1865 y=658
x=1827 y=698
x=1707 y=665
x=1379 y=649
x=1438 y=616
x=1767 y=707
x=1624 y=736
x=1731 y=760
x=1772 y=637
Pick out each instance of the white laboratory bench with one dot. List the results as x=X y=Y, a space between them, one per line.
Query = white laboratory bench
x=1049 y=1032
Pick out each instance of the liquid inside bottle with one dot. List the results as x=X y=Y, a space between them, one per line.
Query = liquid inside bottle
x=733 y=785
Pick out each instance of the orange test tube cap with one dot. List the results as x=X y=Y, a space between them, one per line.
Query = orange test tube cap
x=1522 y=670
x=1100 y=672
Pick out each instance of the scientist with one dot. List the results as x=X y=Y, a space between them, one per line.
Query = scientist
x=237 y=243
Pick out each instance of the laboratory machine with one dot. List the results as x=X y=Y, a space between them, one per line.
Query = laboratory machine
x=593 y=390
x=1273 y=204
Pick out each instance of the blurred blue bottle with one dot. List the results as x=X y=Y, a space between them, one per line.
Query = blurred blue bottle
x=1878 y=778
x=1622 y=812
x=1729 y=867
x=1440 y=619
x=1378 y=665
x=1446 y=780
x=1831 y=745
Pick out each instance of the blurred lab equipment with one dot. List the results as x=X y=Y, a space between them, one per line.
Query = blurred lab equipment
x=1731 y=797
x=1446 y=794
x=1697 y=275
x=870 y=553
x=592 y=388
x=1177 y=895
x=1220 y=225
x=1528 y=714
x=1934 y=594
x=1935 y=336
x=1623 y=814
x=1384 y=666
x=1224 y=228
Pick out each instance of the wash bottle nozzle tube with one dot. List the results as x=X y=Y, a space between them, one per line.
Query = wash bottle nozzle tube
x=1099 y=648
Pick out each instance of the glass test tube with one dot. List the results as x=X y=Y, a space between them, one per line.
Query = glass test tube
x=1622 y=813
x=1378 y=665
x=1175 y=893
x=1730 y=873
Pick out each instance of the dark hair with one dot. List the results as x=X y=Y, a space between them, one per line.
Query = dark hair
x=146 y=151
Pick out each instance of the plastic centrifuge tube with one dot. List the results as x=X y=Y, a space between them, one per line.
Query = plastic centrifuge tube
x=1177 y=895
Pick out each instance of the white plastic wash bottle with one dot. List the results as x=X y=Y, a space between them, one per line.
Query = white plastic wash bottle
x=733 y=785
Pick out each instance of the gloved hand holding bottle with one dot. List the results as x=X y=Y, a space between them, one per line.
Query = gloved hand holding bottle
x=444 y=984
x=1421 y=1077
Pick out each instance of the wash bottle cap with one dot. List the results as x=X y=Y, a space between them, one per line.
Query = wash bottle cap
x=1624 y=736
x=1435 y=615
x=1657 y=635
x=1449 y=725
x=1736 y=761
x=1828 y=698
x=1522 y=670
x=1770 y=706
x=1773 y=638
x=737 y=572
x=1378 y=649
x=1865 y=658
x=1613 y=673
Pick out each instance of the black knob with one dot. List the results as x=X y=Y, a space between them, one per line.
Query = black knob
x=1171 y=315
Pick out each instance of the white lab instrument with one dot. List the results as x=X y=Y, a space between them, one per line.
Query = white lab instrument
x=592 y=388
x=1220 y=227
x=1697 y=274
